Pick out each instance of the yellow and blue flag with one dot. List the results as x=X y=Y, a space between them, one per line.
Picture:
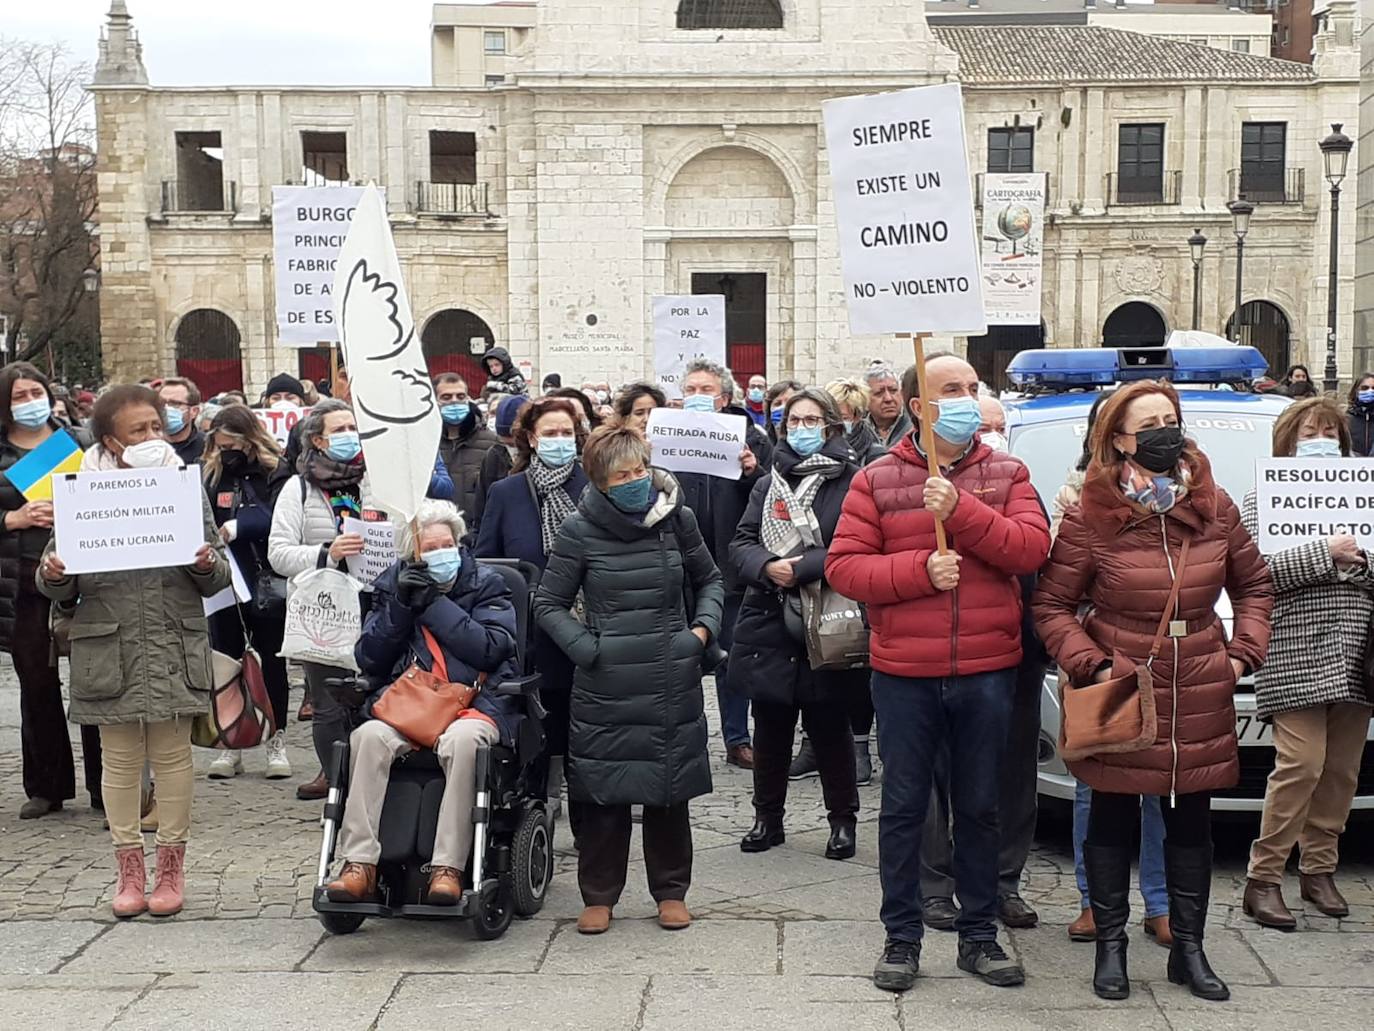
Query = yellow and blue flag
x=32 y=475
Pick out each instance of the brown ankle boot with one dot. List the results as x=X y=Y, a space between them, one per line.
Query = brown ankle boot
x=170 y=890
x=1157 y=927
x=132 y=886
x=1084 y=929
x=445 y=886
x=1320 y=890
x=1264 y=904
x=673 y=915
x=594 y=920
x=357 y=882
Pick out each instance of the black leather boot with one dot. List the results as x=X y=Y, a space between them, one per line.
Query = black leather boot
x=1109 y=891
x=1188 y=873
x=765 y=833
x=841 y=844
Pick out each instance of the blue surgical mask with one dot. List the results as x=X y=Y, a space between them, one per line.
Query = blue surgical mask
x=848 y=427
x=1365 y=397
x=805 y=440
x=455 y=413
x=443 y=564
x=1318 y=447
x=756 y=395
x=634 y=496
x=32 y=414
x=556 y=451
x=344 y=446
x=959 y=420
x=175 y=421
x=776 y=416
x=699 y=403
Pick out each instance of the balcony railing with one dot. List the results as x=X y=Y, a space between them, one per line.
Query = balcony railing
x=1141 y=192
x=181 y=198
x=451 y=198
x=1281 y=186
x=980 y=178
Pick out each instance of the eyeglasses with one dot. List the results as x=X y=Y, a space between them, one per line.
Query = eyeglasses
x=811 y=422
x=181 y=405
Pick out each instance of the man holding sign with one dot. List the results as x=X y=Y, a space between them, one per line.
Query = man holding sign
x=945 y=647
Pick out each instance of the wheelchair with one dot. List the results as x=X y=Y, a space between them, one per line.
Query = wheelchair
x=511 y=865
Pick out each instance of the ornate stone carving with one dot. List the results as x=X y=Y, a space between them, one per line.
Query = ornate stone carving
x=1139 y=274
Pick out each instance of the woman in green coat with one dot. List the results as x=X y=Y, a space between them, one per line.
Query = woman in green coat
x=140 y=666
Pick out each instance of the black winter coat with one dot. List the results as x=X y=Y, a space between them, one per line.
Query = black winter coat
x=865 y=444
x=496 y=466
x=248 y=499
x=462 y=453
x=765 y=659
x=1362 y=431
x=637 y=731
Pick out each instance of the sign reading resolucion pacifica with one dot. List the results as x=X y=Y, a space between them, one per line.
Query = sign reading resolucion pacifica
x=904 y=207
x=1300 y=500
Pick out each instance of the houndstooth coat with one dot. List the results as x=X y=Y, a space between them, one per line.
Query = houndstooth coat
x=1321 y=621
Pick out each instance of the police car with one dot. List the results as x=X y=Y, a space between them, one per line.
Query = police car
x=1047 y=421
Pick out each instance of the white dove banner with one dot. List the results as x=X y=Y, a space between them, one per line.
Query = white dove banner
x=393 y=399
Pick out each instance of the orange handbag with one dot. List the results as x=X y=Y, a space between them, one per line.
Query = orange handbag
x=421 y=703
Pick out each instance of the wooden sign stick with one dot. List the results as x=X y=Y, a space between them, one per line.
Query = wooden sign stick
x=927 y=427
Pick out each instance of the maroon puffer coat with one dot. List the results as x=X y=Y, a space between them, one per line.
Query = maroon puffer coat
x=1112 y=553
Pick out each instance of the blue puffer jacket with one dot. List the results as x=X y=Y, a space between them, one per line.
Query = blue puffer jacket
x=474 y=623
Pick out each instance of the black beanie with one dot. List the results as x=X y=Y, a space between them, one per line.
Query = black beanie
x=284 y=383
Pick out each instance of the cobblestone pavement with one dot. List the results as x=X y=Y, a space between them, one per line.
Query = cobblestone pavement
x=783 y=939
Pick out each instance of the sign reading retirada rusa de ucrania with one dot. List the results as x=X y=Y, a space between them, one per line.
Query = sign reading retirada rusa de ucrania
x=128 y=519
x=1299 y=500
x=904 y=207
x=697 y=442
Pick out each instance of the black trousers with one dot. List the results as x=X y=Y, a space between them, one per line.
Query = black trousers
x=603 y=851
x=1114 y=820
x=861 y=711
x=226 y=634
x=49 y=769
x=827 y=725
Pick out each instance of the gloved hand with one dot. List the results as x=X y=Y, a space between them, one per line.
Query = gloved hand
x=415 y=587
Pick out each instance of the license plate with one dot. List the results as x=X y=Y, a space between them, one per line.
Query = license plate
x=1251 y=730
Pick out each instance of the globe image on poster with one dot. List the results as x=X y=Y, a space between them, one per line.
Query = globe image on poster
x=1014 y=222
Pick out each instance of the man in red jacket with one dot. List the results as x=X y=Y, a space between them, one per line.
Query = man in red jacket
x=945 y=645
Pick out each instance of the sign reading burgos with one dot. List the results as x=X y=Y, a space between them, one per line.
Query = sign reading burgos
x=905 y=211
x=309 y=225
x=1300 y=500
x=1013 y=239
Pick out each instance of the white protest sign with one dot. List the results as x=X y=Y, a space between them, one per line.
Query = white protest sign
x=280 y=421
x=379 y=548
x=696 y=442
x=309 y=225
x=1300 y=500
x=904 y=207
x=236 y=592
x=1013 y=240
x=686 y=327
x=128 y=519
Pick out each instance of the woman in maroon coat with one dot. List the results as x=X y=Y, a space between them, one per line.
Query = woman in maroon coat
x=1149 y=489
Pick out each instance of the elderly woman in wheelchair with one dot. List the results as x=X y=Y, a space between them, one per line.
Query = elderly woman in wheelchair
x=442 y=600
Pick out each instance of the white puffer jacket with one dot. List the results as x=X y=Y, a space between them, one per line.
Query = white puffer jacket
x=303 y=530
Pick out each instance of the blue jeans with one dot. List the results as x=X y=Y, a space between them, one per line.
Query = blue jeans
x=916 y=719
x=733 y=704
x=1152 y=887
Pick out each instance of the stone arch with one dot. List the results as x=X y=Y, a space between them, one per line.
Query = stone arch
x=729 y=186
x=1135 y=324
x=730 y=14
x=803 y=200
x=1265 y=325
x=447 y=339
x=208 y=349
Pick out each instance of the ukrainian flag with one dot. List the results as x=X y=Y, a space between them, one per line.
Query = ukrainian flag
x=32 y=475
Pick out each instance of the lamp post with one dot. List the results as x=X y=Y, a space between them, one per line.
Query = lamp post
x=1336 y=155
x=1197 y=243
x=1241 y=210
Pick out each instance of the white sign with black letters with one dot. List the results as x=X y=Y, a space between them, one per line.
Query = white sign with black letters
x=1300 y=500
x=697 y=442
x=686 y=327
x=280 y=420
x=379 y=548
x=904 y=207
x=309 y=225
x=128 y=519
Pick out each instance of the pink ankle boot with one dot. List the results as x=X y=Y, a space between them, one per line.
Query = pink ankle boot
x=167 y=894
x=133 y=883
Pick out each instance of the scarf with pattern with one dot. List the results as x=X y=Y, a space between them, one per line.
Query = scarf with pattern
x=1150 y=491
x=789 y=526
x=550 y=489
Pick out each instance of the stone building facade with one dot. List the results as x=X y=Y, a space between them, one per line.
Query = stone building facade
x=656 y=159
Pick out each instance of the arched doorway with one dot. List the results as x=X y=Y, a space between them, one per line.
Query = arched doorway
x=453 y=341
x=207 y=351
x=1134 y=324
x=990 y=354
x=1263 y=325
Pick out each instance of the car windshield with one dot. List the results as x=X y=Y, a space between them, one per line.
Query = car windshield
x=1232 y=442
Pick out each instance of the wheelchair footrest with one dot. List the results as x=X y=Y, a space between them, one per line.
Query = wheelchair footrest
x=466 y=908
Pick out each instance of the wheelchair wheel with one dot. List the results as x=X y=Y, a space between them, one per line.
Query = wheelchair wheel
x=494 y=915
x=533 y=849
x=341 y=923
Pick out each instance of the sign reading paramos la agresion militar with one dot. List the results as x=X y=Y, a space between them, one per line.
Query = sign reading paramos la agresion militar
x=1300 y=500
x=904 y=205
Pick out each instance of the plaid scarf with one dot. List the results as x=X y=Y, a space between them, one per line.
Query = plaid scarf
x=789 y=526
x=555 y=503
x=1151 y=492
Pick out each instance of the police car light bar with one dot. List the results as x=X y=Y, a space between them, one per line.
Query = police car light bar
x=1066 y=368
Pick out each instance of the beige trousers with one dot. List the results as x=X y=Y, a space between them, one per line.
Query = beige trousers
x=1310 y=788
x=167 y=748
x=373 y=748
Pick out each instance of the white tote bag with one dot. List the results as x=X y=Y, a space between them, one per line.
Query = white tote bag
x=323 y=618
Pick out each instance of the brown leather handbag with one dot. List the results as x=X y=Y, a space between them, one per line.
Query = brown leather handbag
x=421 y=703
x=1119 y=714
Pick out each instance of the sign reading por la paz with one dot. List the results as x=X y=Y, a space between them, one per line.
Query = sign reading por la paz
x=128 y=519
x=697 y=442
x=904 y=205
x=686 y=327
x=309 y=226
x=1299 y=500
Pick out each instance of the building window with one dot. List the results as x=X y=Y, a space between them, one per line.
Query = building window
x=494 y=42
x=1011 y=150
x=496 y=80
x=1263 y=153
x=1240 y=46
x=452 y=157
x=199 y=184
x=324 y=158
x=1200 y=41
x=729 y=14
x=1140 y=163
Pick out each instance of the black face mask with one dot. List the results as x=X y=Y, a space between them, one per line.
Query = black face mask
x=233 y=462
x=1158 y=450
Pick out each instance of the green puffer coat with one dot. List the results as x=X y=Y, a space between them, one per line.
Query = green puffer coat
x=637 y=732
x=140 y=647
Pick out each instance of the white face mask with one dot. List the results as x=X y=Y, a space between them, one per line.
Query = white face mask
x=994 y=440
x=151 y=454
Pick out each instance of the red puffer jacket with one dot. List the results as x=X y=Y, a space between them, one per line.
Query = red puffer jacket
x=885 y=537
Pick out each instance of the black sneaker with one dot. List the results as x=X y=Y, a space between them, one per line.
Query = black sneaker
x=986 y=959
x=804 y=765
x=897 y=966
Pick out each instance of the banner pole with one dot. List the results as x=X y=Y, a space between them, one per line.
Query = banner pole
x=927 y=426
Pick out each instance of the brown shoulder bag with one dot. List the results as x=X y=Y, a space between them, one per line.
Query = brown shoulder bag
x=1119 y=714
x=421 y=703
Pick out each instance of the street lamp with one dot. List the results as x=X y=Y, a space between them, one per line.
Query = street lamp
x=1197 y=243
x=1336 y=154
x=1241 y=210
x=90 y=281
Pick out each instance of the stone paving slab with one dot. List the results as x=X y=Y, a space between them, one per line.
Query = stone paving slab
x=1284 y=1008
x=179 y=946
x=438 y=946
x=281 y=1002
x=642 y=947
x=1312 y=959
x=1054 y=956
x=849 y=948
x=969 y=1006
x=71 y=1003
x=24 y=950
x=571 y=1002
x=736 y=1004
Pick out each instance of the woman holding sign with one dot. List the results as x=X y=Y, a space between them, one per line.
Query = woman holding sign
x=1312 y=688
x=141 y=661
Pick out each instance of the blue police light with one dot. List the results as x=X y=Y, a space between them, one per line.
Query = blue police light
x=1068 y=368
